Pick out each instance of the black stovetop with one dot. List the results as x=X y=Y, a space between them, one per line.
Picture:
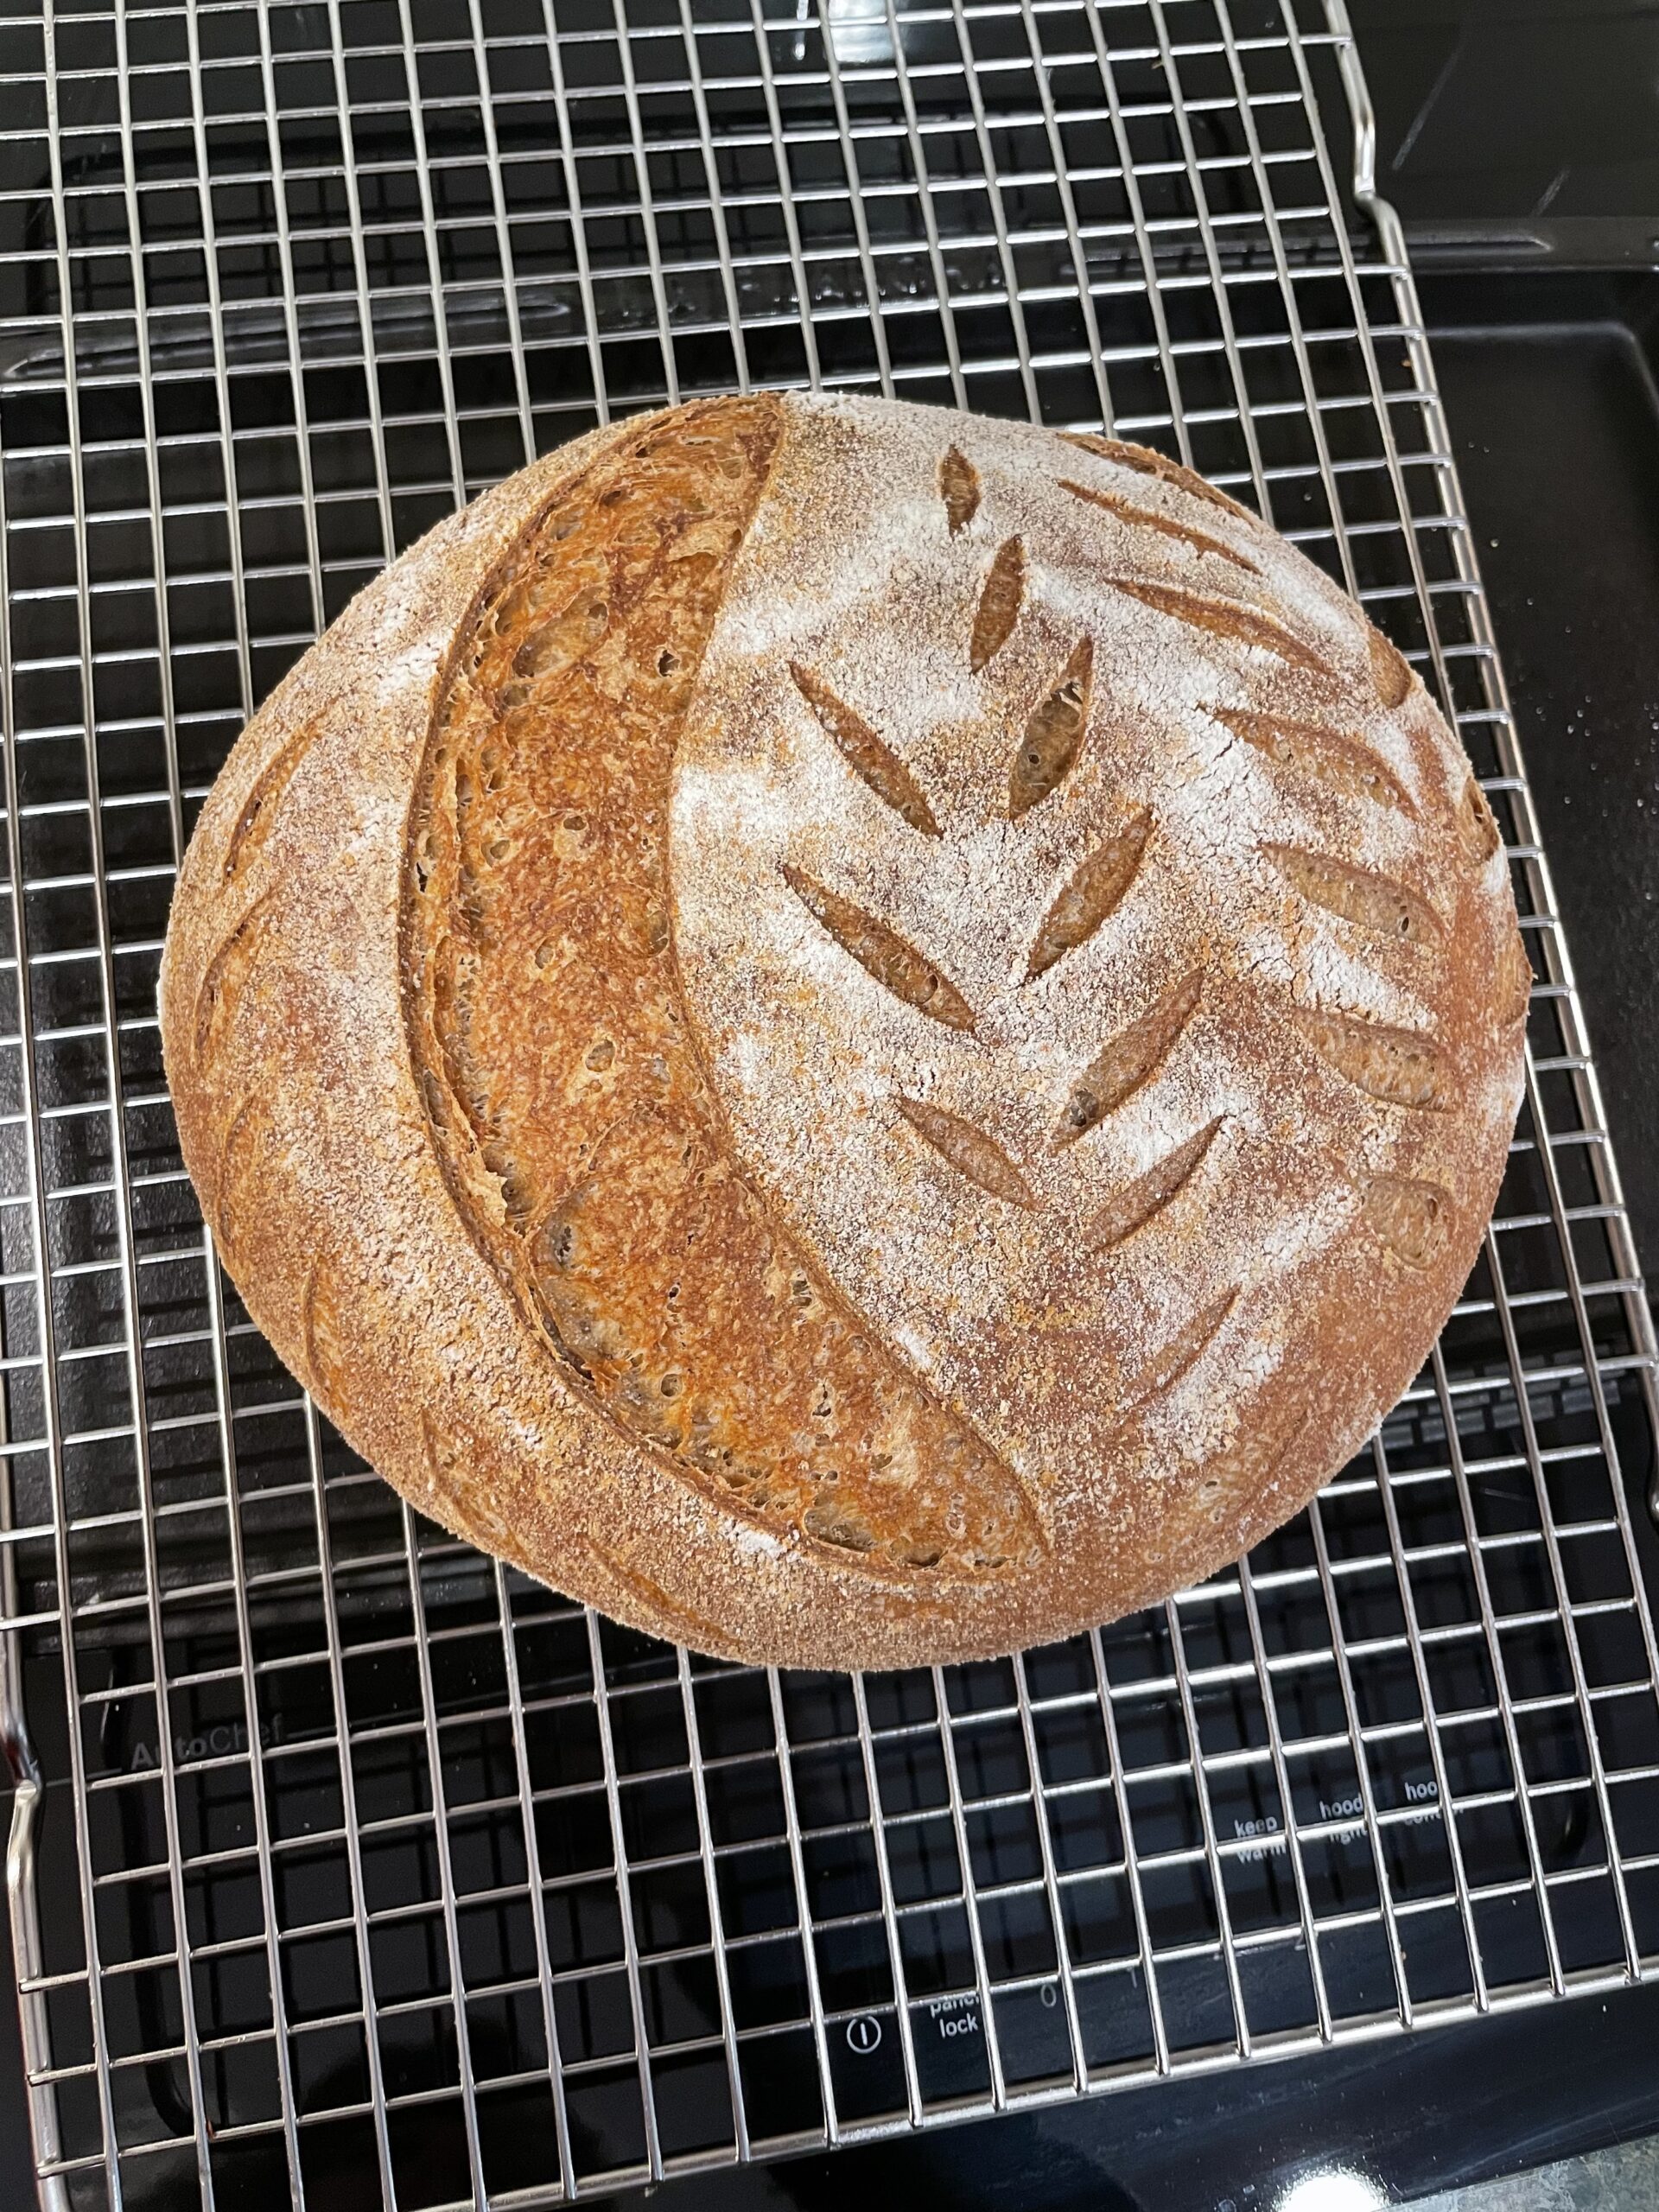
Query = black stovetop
x=1534 y=126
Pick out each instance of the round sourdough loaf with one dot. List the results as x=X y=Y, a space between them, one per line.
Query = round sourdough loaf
x=861 y=1035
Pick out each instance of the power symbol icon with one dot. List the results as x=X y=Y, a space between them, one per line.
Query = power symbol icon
x=864 y=2034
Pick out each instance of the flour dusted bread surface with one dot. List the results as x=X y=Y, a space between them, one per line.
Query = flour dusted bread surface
x=860 y=1035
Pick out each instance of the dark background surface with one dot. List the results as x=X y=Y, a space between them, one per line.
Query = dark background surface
x=1525 y=132
x=1500 y=111
x=1548 y=379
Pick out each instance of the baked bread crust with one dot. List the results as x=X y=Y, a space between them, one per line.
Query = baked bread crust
x=861 y=1036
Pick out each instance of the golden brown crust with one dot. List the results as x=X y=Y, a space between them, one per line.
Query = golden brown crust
x=837 y=1046
x=585 y=1149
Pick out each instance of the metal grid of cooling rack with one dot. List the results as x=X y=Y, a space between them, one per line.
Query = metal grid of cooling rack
x=338 y=1850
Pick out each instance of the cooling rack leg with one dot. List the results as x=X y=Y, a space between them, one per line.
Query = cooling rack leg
x=21 y=1898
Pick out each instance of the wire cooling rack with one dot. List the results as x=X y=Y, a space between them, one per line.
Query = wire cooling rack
x=339 y=1850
